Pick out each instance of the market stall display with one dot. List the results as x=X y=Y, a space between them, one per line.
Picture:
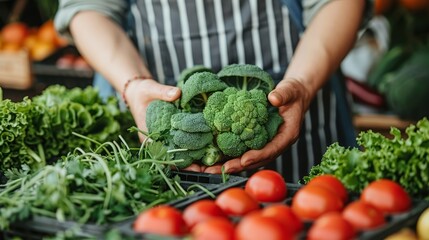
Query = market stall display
x=72 y=166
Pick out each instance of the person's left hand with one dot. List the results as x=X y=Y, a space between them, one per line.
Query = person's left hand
x=293 y=99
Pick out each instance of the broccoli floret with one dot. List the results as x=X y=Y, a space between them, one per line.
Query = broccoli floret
x=189 y=156
x=246 y=77
x=212 y=155
x=191 y=141
x=230 y=144
x=189 y=122
x=197 y=88
x=272 y=126
x=186 y=73
x=239 y=117
x=158 y=116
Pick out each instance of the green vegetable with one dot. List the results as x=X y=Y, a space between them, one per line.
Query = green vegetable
x=406 y=89
x=109 y=184
x=158 y=116
x=186 y=73
x=402 y=159
x=189 y=122
x=34 y=131
x=212 y=155
x=389 y=62
x=246 y=77
x=214 y=122
x=192 y=141
x=239 y=117
x=188 y=156
x=197 y=89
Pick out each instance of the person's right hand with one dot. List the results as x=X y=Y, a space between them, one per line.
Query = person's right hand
x=141 y=92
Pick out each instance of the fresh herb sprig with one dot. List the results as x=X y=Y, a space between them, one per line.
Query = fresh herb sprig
x=111 y=183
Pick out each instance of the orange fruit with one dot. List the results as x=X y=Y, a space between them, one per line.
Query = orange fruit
x=15 y=32
x=47 y=32
x=414 y=5
x=41 y=50
x=30 y=41
x=382 y=6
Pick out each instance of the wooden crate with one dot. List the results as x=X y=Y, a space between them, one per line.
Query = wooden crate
x=15 y=70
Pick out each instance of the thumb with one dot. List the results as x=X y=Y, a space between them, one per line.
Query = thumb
x=163 y=92
x=280 y=96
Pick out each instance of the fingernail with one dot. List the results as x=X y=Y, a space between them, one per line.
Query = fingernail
x=172 y=92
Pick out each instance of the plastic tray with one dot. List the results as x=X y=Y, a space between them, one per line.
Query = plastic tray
x=40 y=227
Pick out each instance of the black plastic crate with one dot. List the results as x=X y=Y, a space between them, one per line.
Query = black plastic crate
x=39 y=227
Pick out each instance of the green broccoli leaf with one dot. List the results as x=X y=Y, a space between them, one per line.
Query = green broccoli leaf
x=246 y=77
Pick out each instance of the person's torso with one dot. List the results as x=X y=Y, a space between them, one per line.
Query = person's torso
x=176 y=34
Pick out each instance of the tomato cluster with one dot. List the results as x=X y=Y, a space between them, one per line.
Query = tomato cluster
x=262 y=210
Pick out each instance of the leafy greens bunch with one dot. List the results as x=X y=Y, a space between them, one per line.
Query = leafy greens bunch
x=109 y=184
x=404 y=160
x=35 y=130
x=219 y=115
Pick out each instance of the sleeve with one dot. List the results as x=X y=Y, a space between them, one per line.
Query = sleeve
x=67 y=9
x=311 y=7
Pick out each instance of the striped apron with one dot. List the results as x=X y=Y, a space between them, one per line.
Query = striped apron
x=172 y=35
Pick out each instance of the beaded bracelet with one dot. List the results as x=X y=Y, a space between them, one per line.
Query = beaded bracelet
x=135 y=78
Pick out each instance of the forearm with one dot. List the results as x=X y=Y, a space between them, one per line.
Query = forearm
x=107 y=48
x=325 y=43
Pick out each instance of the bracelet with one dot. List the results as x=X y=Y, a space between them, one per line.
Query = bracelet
x=135 y=78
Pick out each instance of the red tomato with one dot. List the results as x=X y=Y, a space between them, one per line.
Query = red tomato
x=163 y=220
x=217 y=228
x=284 y=214
x=255 y=226
x=332 y=183
x=331 y=226
x=202 y=210
x=236 y=202
x=266 y=186
x=386 y=195
x=310 y=202
x=363 y=216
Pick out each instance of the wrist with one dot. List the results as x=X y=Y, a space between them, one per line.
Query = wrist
x=127 y=86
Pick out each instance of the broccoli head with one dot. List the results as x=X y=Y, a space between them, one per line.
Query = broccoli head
x=242 y=115
x=158 y=116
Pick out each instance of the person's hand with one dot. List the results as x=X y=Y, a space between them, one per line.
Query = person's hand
x=140 y=93
x=293 y=99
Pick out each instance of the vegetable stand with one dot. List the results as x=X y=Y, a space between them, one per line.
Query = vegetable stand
x=39 y=227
